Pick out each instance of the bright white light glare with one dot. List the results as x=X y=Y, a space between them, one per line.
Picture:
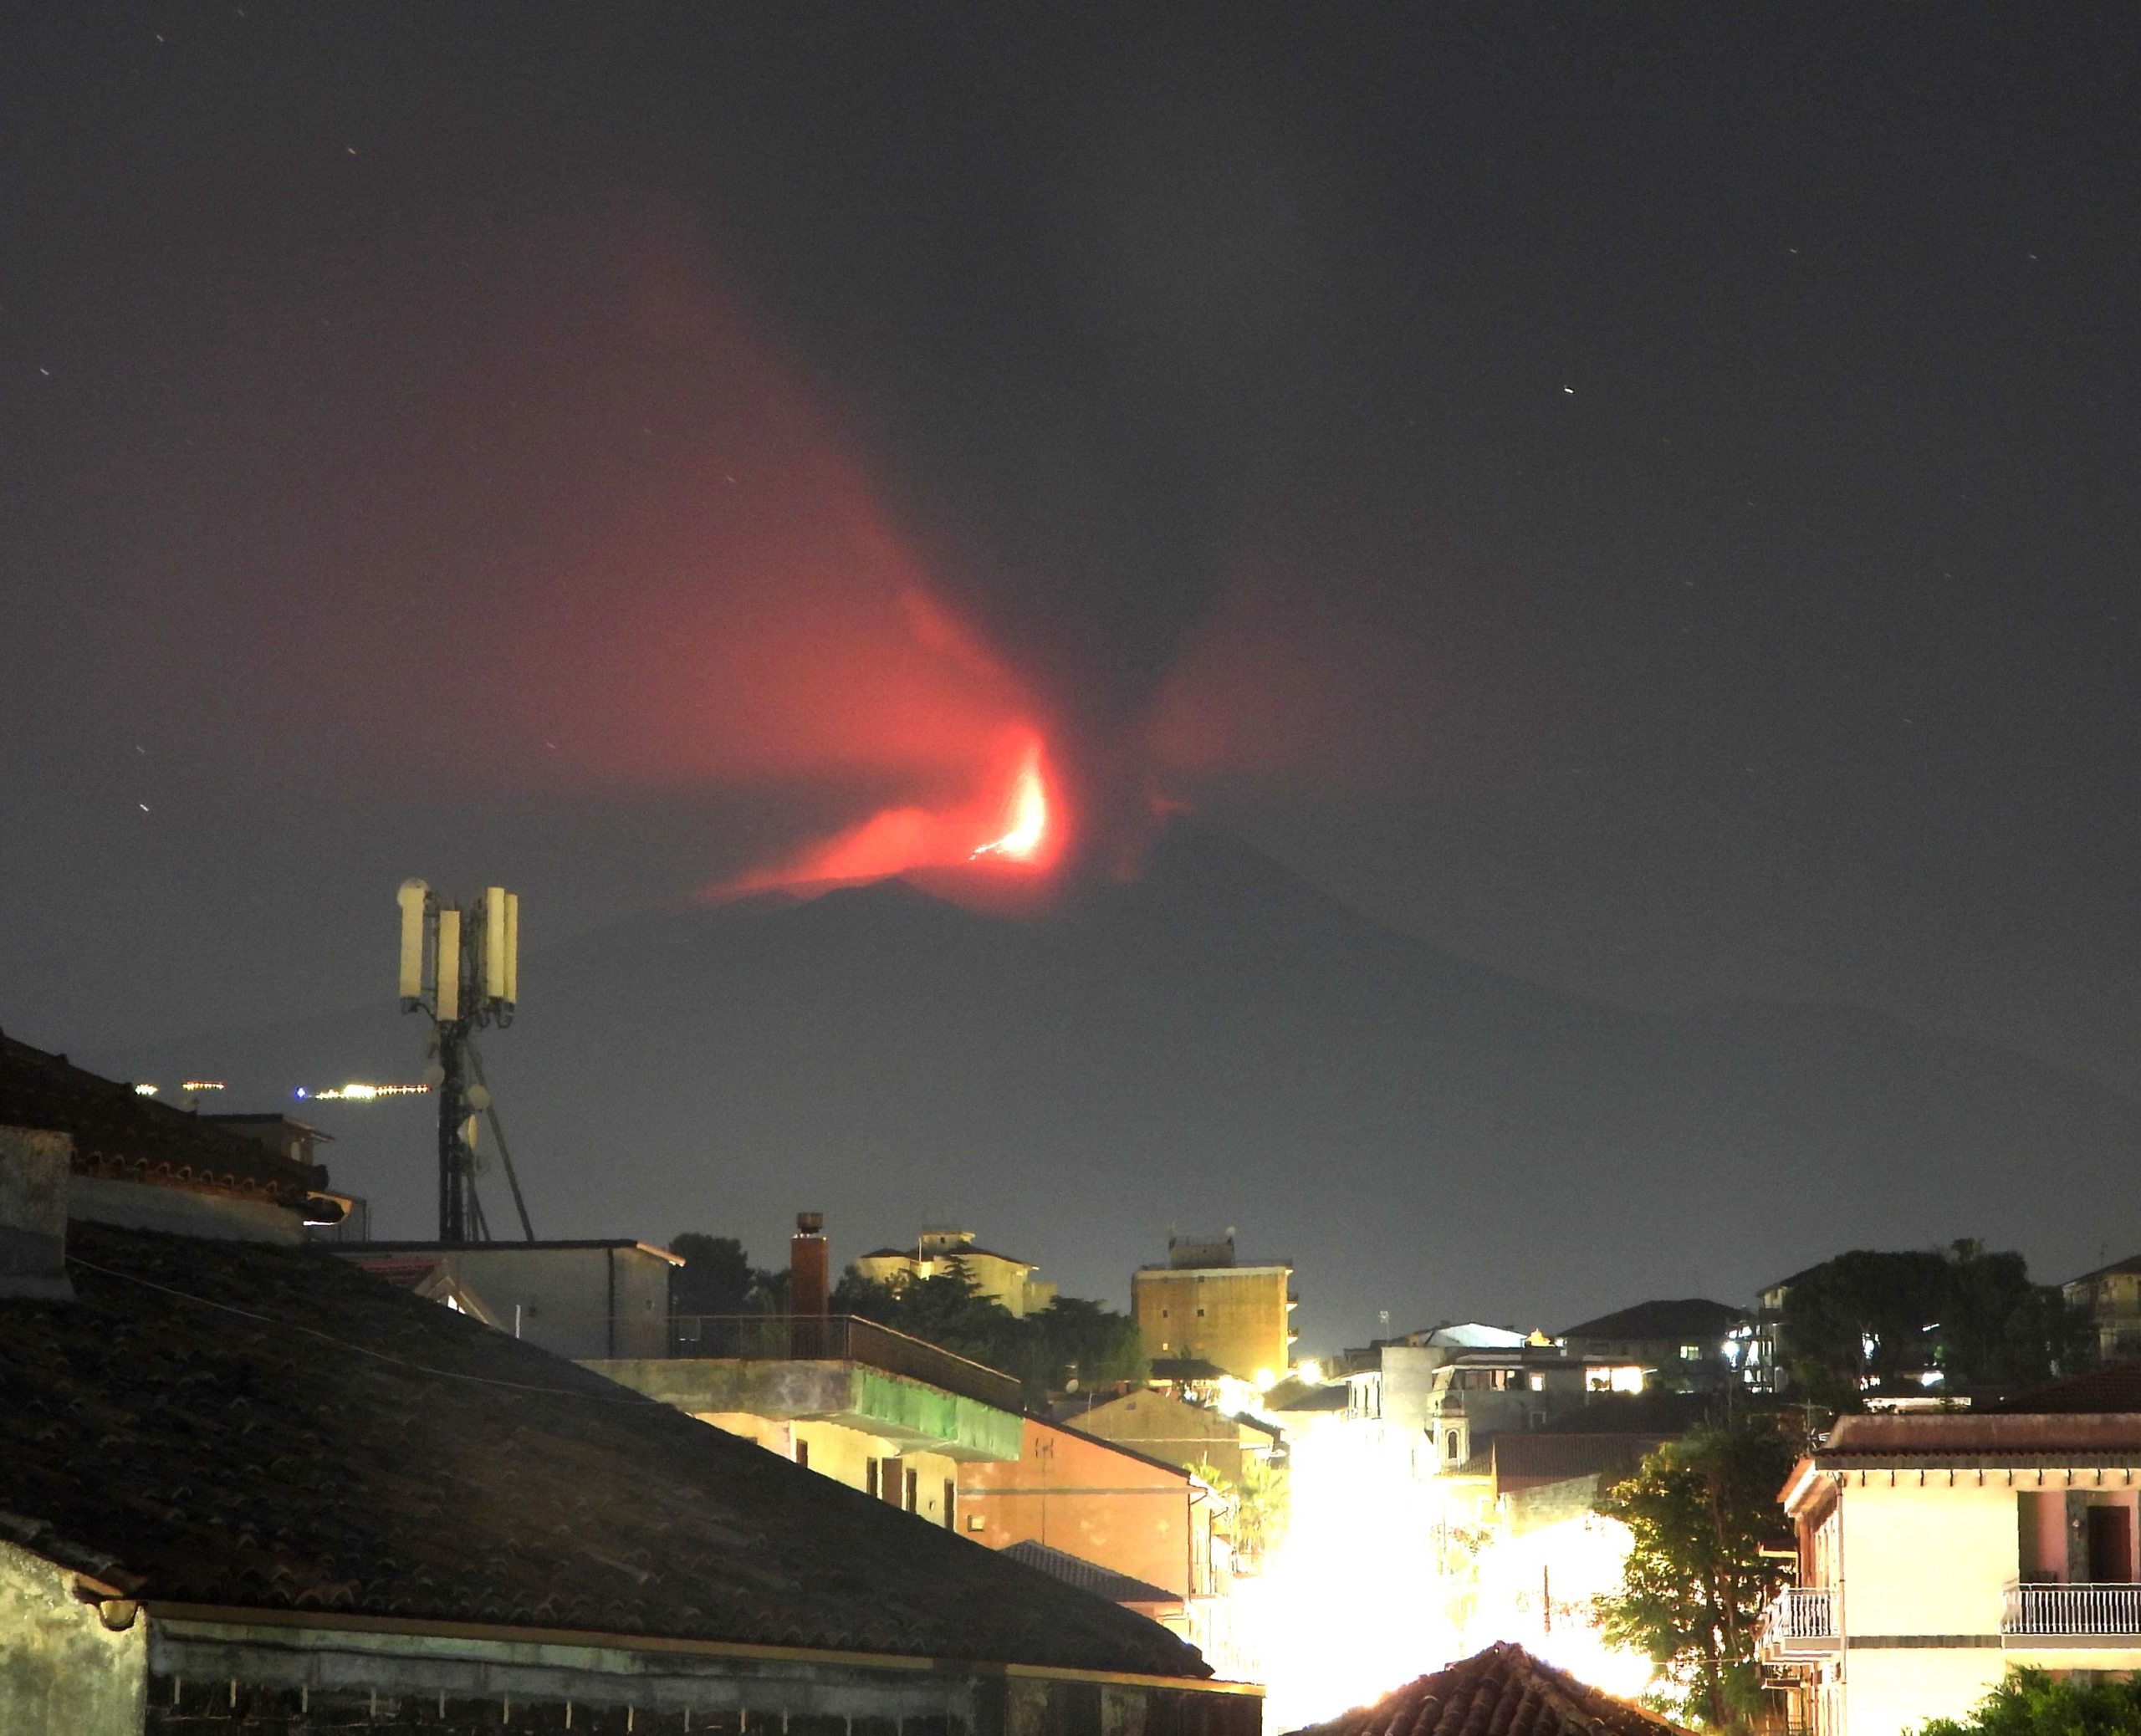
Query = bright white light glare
x=1310 y=1374
x=145 y=1090
x=1387 y=1572
x=1265 y=1380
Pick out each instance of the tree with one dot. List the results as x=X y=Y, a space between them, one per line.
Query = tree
x=717 y=1278
x=1070 y=1338
x=1869 y=1320
x=1699 y=1513
x=2029 y=1703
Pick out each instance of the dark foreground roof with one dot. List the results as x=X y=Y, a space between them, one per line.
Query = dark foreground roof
x=1690 y=1320
x=1089 y=1576
x=2113 y=1390
x=286 y=1432
x=1504 y=1691
x=122 y=1135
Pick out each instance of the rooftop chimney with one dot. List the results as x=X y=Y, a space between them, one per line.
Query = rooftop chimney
x=33 y=1169
x=808 y=1265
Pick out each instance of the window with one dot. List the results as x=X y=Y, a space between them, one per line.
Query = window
x=913 y=1491
x=803 y=1454
x=1450 y=1450
x=1691 y=1353
x=1200 y=1313
x=951 y=1505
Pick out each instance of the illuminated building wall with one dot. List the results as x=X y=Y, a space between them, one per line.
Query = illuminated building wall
x=1237 y=1318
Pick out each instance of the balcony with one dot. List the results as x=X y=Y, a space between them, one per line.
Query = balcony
x=2064 y=1610
x=840 y=1338
x=1800 y=1622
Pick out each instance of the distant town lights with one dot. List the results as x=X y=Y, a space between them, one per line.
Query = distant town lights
x=202 y=1084
x=145 y=1090
x=355 y=1093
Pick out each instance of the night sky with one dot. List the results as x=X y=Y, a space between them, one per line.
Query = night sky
x=1644 y=498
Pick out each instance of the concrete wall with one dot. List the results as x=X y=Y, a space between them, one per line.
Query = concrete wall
x=914 y=1417
x=34 y=1176
x=1927 y=1560
x=63 y=1670
x=305 y=1676
x=1180 y=1432
x=576 y=1302
x=1085 y=1498
x=1242 y=1323
x=1886 y=1693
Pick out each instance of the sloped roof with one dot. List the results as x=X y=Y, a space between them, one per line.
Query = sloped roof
x=1186 y=1368
x=269 y=1428
x=122 y=1135
x=1504 y=1691
x=1089 y=1576
x=2113 y=1390
x=2132 y=1263
x=1522 y=1458
x=1688 y=1320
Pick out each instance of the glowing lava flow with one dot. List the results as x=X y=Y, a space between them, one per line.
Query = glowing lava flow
x=1029 y=814
x=1022 y=830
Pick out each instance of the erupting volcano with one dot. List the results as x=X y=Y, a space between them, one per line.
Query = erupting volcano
x=1015 y=827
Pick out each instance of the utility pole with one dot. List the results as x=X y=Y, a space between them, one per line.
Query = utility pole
x=461 y=968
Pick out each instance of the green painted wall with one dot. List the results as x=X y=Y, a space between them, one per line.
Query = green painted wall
x=844 y=1392
x=61 y=1671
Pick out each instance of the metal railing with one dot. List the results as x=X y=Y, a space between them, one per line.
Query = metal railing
x=2046 y=1609
x=840 y=1338
x=1798 y=1612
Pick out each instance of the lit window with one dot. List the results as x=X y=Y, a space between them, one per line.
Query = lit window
x=1691 y=1353
x=1538 y=1383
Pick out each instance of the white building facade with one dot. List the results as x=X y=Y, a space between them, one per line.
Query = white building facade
x=1936 y=1551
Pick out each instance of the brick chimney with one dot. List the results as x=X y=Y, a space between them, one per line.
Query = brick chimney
x=808 y=1265
x=34 y=1171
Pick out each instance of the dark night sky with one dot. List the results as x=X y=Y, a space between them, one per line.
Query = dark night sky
x=1643 y=498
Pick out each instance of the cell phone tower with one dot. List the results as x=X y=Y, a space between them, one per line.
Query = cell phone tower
x=461 y=968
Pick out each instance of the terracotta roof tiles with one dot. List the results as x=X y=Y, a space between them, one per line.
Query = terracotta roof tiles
x=1503 y=1691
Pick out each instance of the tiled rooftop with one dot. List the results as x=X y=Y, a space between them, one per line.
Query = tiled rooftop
x=227 y=1423
x=1504 y=1691
x=121 y=1135
x=1089 y=1576
x=2114 y=1390
x=1692 y=1320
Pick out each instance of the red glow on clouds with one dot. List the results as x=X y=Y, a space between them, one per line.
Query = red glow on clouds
x=1014 y=826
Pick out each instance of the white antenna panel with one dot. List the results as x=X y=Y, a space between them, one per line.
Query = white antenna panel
x=494 y=940
x=512 y=949
x=411 y=897
x=448 y=1007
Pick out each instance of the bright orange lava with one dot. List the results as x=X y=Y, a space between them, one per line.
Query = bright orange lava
x=1019 y=831
x=1029 y=814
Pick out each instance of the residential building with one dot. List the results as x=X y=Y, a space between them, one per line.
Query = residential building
x=590 y=1301
x=846 y=1397
x=1935 y=1551
x=1117 y=1508
x=1757 y=1347
x=136 y=1162
x=997 y=1277
x=2111 y=1295
x=317 y=1498
x=1209 y=1305
x=1684 y=1346
x=1505 y=1689
x=1159 y=1424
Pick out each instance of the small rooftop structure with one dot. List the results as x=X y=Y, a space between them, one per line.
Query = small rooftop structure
x=1504 y=1690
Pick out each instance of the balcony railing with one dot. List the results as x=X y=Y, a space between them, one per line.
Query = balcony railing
x=840 y=1338
x=1799 y=1619
x=2081 y=1609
